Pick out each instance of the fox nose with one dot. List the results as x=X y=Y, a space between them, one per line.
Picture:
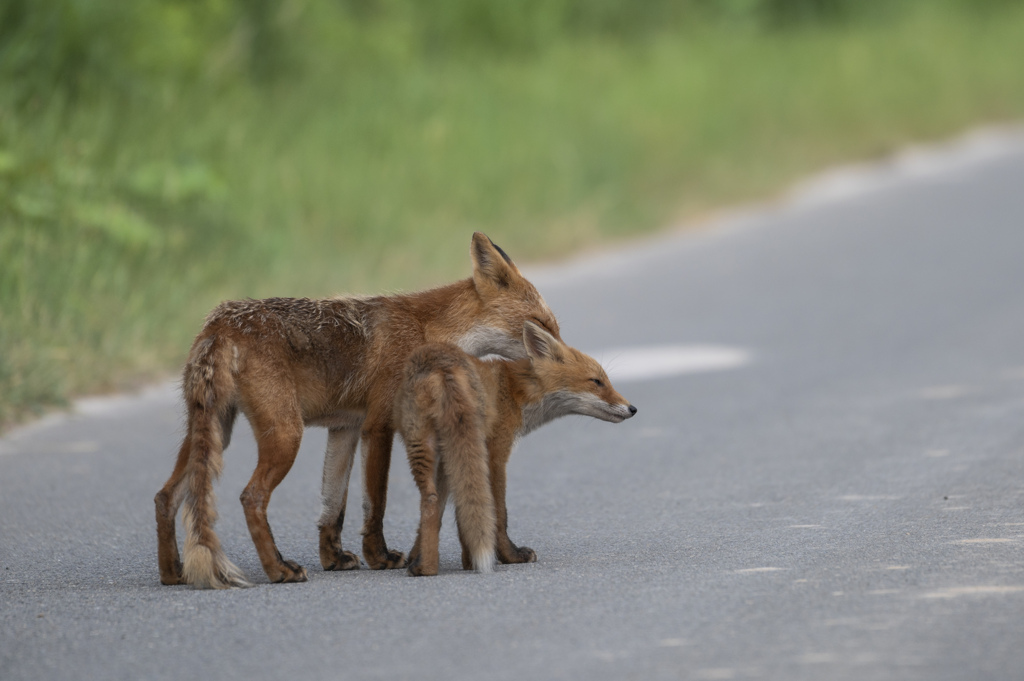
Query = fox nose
x=632 y=410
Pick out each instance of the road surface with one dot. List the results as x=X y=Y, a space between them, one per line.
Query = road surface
x=844 y=499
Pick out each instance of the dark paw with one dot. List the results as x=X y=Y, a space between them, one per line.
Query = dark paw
x=519 y=554
x=417 y=569
x=396 y=559
x=527 y=555
x=387 y=560
x=175 y=577
x=290 y=572
x=343 y=560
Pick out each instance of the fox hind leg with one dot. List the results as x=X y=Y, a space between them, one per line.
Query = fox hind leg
x=377 y=441
x=423 y=461
x=167 y=501
x=341 y=450
x=278 y=434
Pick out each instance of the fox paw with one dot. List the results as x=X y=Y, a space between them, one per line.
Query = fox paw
x=389 y=561
x=342 y=560
x=175 y=577
x=378 y=556
x=519 y=554
x=418 y=569
x=288 y=572
x=396 y=559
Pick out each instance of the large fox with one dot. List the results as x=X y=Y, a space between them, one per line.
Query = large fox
x=459 y=417
x=336 y=362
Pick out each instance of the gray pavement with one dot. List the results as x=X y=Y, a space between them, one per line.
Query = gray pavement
x=847 y=505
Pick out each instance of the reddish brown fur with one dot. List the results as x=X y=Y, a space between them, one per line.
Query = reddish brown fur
x=453 y=406
x=442 y=415
x=337 y=362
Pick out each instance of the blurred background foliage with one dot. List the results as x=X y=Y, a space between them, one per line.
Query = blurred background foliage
x=157 y=156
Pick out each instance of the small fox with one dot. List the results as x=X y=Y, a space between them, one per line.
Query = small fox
x=288 y=363
x=459 y=417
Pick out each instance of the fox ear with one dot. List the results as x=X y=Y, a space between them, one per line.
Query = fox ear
x=540 y=344
x=491 y=266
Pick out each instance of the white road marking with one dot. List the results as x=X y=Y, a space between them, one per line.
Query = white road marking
x=641 y=363
x=867 y=497
x=984 y=540
x=80 y=447
x=758 y=569
x=1013 y=374
x=945 y=392
x=955 y=591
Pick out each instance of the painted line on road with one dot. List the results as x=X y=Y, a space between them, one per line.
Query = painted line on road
x=955 y=591
x=644 y=363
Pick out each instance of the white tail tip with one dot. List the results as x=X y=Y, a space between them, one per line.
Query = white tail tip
x=483 y=562
x=206 y=569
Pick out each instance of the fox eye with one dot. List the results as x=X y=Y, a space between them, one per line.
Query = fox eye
x=543 y=325
x=598 y=382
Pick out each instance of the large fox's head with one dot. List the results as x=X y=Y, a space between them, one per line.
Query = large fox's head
x=571 y=382
x=506 y=301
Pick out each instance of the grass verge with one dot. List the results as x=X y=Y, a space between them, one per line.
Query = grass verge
x=124 y=219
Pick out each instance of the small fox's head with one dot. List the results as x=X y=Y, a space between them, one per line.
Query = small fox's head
x=507 y=300
x=570 y=381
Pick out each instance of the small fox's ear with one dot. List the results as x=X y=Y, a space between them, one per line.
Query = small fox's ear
x=491 y=266
x=540 y=344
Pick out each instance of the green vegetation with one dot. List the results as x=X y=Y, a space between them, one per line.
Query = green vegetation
x=157 y=156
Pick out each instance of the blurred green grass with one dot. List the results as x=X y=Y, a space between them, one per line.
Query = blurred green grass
x=159 y=156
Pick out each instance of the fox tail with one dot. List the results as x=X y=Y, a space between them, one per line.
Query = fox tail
x=468 y=473
x=209 y=393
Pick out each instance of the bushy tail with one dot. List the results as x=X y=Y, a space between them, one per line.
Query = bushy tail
x=209 y=392
x=464 y=454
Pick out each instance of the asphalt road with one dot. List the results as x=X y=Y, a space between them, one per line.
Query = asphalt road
x=848 y=504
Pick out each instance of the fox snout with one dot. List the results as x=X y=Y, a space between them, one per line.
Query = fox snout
x=614 y=412
x=623 y=411
x=618 y=405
